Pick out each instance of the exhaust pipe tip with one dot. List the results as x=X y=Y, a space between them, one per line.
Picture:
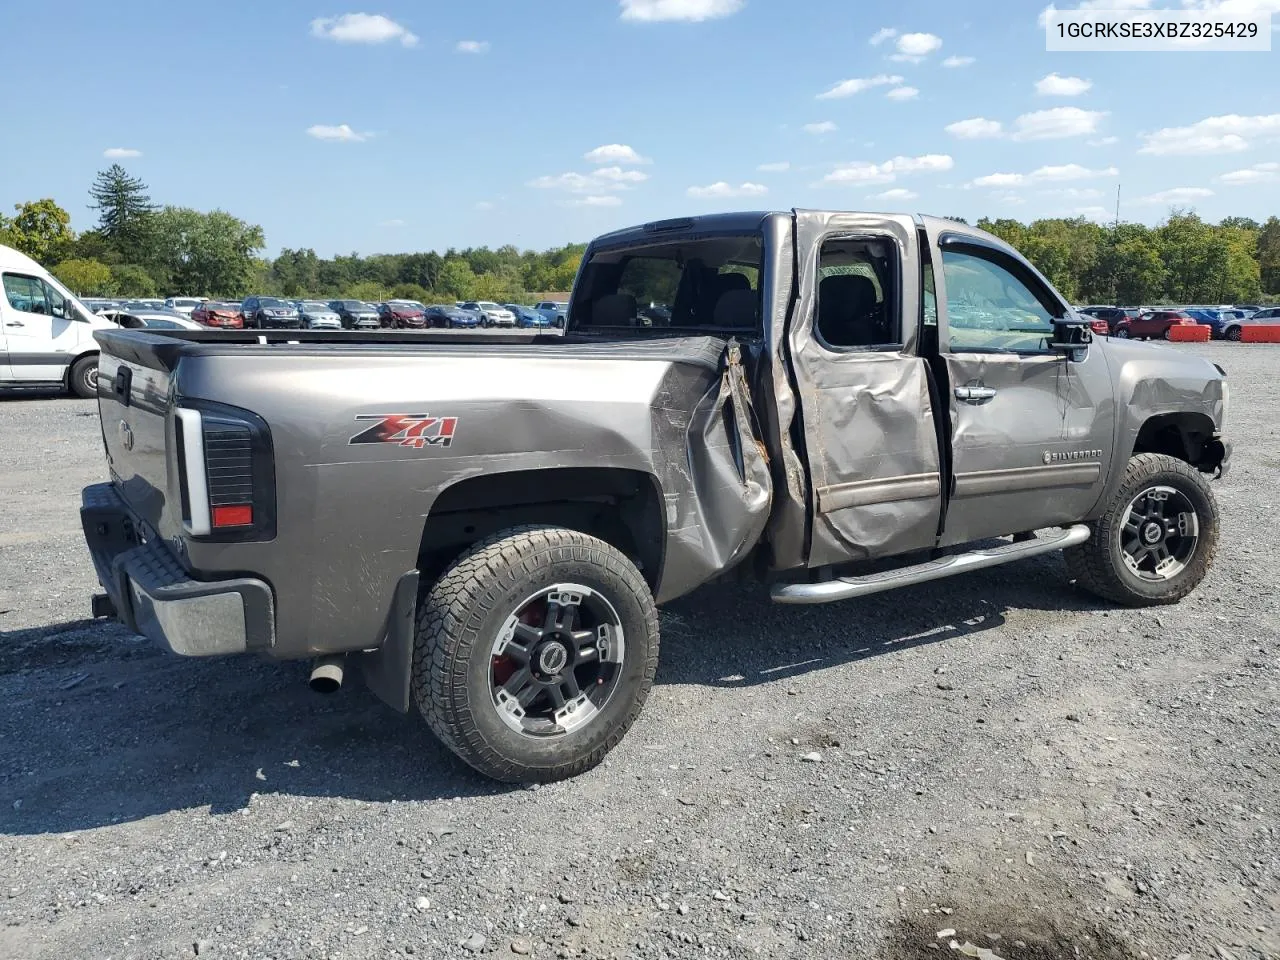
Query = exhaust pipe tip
x=326 y=675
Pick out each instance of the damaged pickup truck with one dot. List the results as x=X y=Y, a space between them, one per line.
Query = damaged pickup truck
x=833 y=404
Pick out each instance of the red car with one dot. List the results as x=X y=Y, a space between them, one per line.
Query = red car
x=401 y=314
x=1153 y=325
x=225 y=316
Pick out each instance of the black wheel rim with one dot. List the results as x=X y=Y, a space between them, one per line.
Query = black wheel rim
x=1159 y=534
x=556 y=661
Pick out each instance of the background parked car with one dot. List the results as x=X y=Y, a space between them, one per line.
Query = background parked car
x=150 y=319
x=144 y=305
x=1232 y=329
x=318 y=316
x=1109 y=315
x=269 y=313
x=356 y=314
x=184 y=305
x=528 y=317
x=554 y=309
x=212 y=313
x=1153 y=325
x=491 y=315
x=98 y=304
x=448 y=315
x=1207 y=317
x=401 y=314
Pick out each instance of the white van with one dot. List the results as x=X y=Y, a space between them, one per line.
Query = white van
x=46 y=334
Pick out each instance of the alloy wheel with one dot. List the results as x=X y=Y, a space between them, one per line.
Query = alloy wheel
x=1159 y=534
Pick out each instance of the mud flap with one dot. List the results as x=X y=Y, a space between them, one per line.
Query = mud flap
x=729 y=464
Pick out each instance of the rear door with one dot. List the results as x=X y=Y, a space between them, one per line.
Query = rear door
x=1030 y=430
x=865 y=396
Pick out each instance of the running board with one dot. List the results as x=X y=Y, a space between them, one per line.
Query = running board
x=847 y=587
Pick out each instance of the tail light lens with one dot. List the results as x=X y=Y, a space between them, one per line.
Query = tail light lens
x=226 y=472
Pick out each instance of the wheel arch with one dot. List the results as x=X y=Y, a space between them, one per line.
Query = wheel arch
x=621 y=506
x=1186 y=435
x=93 y=351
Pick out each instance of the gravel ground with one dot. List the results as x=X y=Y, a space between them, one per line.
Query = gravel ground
x=998 y=755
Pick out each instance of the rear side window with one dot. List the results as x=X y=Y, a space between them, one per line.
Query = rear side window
x=858 y=294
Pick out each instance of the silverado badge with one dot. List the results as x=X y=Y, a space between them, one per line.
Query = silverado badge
x=1067 y=456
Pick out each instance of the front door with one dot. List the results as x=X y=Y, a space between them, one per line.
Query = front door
x=865 y=396
x=40 y=333
x=1030 y=429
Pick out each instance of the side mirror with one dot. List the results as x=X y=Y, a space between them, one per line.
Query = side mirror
x=1071 y=338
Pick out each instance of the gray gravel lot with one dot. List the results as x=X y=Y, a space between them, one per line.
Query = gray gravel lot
x=1000 y=755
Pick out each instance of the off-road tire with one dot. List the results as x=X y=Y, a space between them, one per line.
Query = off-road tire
x=459 y=617
x=1098 y=565
x=83 y=378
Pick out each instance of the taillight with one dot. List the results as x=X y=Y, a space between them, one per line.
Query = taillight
x=226 y=472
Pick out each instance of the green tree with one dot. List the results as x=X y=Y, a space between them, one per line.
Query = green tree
x=368 y=290
x=41 y=229
x=85 y=277
x=131 y=280
x=410 y=291
x=1194 y=258
x=1269 y=255
x=457 y=280
x=124 y=210
x=297 y=272
x=207 y=254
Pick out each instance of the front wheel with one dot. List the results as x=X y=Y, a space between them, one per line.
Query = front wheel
x=1122 y=333
x=534 y=653
x=1233 y=334
x=83 y=379
x=1157 y=538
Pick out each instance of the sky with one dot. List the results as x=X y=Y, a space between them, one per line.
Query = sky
x=425 y=124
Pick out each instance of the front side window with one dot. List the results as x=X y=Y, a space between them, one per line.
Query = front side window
x=990 y=309
x=32 y=295
x=707 y=285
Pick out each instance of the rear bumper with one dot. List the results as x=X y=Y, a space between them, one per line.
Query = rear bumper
x=155 y=596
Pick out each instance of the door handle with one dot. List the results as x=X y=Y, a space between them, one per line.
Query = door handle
x=975 y=394
x=15 y=323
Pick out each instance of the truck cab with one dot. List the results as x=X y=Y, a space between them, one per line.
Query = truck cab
x=46 y=334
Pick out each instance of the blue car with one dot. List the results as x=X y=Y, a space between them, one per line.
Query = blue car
x=529 y=317
x=1207 y=317
x=445 y=315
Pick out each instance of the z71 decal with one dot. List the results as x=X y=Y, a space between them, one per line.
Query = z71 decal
x=415 y=430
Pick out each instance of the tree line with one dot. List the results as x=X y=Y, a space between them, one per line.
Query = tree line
x=141 y=249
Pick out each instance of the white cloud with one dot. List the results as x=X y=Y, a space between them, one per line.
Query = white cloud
x=957 y=61
x=1055 y=85
x=914 y=47
x=342 y=132
x=975 y=128
x=897 y=193
x=721 y=189
x=472 y=46
x=614 y=153
x=1096 y=5
x=1230 y=133
x=1057 y=123
x=1176 y=195
x=121 y=153
x=881 y=35
x=599 y=200
x=1073 y=193
x=826 y=126
x=597 y=182
x=1258 y=173
x=887 y=172
x=1103 y=141
x=650 y=11
x=1049 y=174
x=618 y=175
x=362 y=28
x=903 y=93
x=781 y=166
x=847 y=88
x=391 y=223
x=1100 y=214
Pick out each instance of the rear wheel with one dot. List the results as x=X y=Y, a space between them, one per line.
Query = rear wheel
x=1122 y=333
x=83 y=379
x=535 y=652
x=1157 y=538
x=1233 y=333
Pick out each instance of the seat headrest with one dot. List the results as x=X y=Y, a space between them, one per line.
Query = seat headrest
x=852 y=290
x=733 y=281
x=737 y=309
x=615 y=310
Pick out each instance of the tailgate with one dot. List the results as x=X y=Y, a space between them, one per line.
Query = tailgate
x=134 y=403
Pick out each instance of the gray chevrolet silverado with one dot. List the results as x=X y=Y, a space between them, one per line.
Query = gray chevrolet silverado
x=833 y=404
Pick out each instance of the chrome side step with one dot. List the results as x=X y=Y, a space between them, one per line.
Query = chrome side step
x=847 y=587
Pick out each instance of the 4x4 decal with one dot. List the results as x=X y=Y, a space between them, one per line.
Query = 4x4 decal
x=415 y=430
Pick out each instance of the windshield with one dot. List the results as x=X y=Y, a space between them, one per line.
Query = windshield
x=703 y=286
x=314 y=306
x=271 y=302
